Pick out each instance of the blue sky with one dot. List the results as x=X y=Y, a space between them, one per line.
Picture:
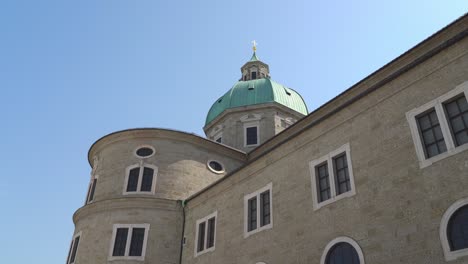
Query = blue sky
x=73 y=71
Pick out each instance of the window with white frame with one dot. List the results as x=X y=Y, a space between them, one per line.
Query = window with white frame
x=258 y=211
x=251 y=129
x=129 y=241
x=140 y=178
x=92 y=189
x=454 y=230
x=332 y=177
x=73 y=248
x=440 y=128
x=205 y=234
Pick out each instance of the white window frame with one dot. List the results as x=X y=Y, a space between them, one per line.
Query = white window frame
x=331 y=177
x=255 y=124
x=343 y=239
x=89 y=189
x=141 y=165
x=215 y=171
x=71 y=247
x=437 y=104
x=197 y=224
x=246 y=208
x=129 y=241
x=448 y=254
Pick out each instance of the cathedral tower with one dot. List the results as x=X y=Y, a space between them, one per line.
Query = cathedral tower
x=255 y=109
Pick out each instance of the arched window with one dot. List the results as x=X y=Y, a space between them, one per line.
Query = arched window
x=342 y=253
x=342 y=250
x=454 y=230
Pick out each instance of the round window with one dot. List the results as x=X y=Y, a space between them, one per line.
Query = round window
x=215 y=166
x=144 y=152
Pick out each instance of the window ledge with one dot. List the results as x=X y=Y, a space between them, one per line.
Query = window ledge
x=265 y=227
x=450 y=152
x=334 y=199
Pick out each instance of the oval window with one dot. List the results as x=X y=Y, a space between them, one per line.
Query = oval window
x=144 y=152
x=215 y=166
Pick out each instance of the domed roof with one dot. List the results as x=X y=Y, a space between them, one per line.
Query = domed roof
x=258 y=91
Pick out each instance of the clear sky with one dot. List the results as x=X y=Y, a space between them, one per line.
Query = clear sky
x=74 y=71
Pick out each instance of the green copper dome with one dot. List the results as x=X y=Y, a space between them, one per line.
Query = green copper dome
x=258 y=91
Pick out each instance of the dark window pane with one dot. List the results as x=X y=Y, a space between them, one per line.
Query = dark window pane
x=457 y=229
x=265 y=208
x=342 y=253
x=147 y=181
x=120 y=242
x=211 y=233
x=216 y=166
x=252 y=214
x=323 y=182
x=219 y=139
x=133 y=180
x=75 y=248
x=91 y=192
x=431 y=133
x=201 y=237
x=251 y=133
x=69 y=251
x=136 y=245
x=144 y=152
x=457 y=113
x=342 y=183
x=254 y=75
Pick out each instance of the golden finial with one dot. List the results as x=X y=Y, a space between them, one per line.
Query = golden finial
x=254 y=45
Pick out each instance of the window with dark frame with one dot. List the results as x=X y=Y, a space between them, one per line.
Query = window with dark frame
x=259 y=211
x=133 y=235
x=252 y=214
x=254 y=75
x=342 y=180
x=140 y=179
x=323 y=182
x=457 y=229
x=73 y=250
x=342 y=253
x=206 y=234
x=431 y=133
x=456 y=111
x=252 y=135
x=92 y=189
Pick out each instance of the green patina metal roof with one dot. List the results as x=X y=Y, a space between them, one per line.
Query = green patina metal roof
x=253 y=92
x=254 y=57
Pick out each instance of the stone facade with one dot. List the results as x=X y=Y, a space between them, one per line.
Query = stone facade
x=392 y=215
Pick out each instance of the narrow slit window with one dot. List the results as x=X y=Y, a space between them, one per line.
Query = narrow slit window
x=73 y=249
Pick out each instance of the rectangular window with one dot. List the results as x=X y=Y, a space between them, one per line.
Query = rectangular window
x=457 y=115
x=205 y=234
x=431 y=133
x=251 y=134
x=258 y=211
x=141 y=179
x=343 y=183
x=439 y=128
x=129 y=241
x=323 y=182
x=73 y=248
x=254 y=75
x=92 y=189
x=332 y=177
